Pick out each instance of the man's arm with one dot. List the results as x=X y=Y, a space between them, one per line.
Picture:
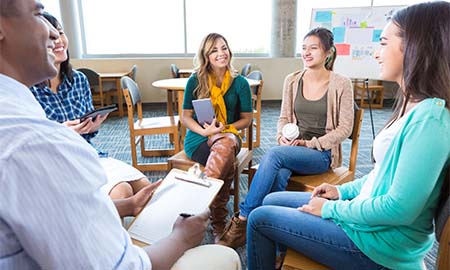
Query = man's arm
x=56 y=210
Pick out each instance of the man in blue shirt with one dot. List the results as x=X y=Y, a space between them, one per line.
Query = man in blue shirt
x=52 y=212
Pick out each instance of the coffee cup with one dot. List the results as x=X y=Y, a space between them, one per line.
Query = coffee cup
x=290 y=131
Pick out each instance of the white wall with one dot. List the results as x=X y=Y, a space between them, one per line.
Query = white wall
x=151 y=69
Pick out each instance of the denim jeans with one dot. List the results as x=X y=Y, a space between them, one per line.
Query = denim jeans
x=277 y=166
x=278 y=222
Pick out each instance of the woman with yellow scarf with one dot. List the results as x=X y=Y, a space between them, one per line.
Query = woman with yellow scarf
x=216 y=145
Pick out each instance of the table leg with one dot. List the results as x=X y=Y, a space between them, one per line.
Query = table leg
x=170 y=109
x=119 y=97
x=180 y=111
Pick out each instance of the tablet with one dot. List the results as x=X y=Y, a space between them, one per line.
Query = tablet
x=100 y=111
x=203 y=110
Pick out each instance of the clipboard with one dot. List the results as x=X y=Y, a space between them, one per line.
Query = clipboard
x=175 y=195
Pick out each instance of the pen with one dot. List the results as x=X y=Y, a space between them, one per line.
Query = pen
x=185 y=215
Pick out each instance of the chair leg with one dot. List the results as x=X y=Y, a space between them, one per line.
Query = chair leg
x=133 y=151
x=258 y=131
x=236 y=191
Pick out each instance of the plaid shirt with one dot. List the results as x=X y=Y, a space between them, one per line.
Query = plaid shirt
x=71 y=101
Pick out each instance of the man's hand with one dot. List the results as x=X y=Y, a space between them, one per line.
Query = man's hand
x=314 y=207
x=191 y=230
x=326 y=191
x=140 y=199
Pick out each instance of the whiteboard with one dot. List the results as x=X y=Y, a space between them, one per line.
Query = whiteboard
x=356 y=36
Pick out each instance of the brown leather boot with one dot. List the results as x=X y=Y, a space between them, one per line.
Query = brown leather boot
x=220 y=164
x=235 y=233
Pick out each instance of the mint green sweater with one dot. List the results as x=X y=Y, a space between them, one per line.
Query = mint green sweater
x=394 y=227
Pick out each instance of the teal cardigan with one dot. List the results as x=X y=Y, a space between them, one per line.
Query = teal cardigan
x=394 y=227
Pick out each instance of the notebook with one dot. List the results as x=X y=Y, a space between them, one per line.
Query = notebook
x=203 y=110
x=179 y=192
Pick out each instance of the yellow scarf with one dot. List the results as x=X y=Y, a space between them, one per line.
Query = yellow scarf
x=218 y=102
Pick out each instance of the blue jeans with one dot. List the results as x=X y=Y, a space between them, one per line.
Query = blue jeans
x=278 y=222
x=277 y=166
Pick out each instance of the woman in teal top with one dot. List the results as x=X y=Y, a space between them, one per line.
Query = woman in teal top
x=385 y=219
x=216 y=144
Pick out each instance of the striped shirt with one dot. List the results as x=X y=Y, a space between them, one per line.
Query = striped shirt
x=52 y=212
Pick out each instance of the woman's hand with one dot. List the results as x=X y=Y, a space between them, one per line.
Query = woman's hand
x=284 y=141
x=212 y=129
x=326 y=191
x=97 y=122
x=78 y=126
x=298 y=142
x=314 y=207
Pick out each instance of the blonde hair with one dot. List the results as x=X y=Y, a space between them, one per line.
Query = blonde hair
x=203 y=67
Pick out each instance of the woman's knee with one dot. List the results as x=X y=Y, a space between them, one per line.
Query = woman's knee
x=273 y=198
x=121 y=191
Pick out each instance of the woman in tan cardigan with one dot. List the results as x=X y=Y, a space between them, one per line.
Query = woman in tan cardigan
x=319 y=103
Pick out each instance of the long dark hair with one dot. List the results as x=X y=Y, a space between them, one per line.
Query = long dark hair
x=327 y=40
x=425 y=32
x=66 y=67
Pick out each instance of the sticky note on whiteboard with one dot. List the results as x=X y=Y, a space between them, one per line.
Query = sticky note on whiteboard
x=342 y=49
x=339 y=34
x=323 y=16
x=376 y=35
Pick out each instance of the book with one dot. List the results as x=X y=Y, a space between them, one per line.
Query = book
x=180 y=192
x=204 y=110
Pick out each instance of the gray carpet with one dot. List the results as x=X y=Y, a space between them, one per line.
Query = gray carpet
x=114 y=138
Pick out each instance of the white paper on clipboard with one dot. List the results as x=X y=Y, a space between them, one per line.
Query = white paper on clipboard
x=171 y=198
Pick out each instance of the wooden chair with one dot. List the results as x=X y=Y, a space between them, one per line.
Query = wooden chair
x=175 y=71
x=246 y=69
x=112 y=93
x=336 y=176
x=243 y=164
x=297 y=261
x=95 y=83
x=147 y=126
x=376 y=94
x=256 y=104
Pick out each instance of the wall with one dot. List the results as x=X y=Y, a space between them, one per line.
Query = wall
x=152 y=69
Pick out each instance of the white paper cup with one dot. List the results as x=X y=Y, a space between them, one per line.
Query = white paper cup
x=290 y=131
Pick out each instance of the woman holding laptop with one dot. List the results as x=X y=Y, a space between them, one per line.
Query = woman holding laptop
x=216 y=144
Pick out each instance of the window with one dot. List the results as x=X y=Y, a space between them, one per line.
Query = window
x=132 y=27
x=245 y=24
x=52 y=7
x=173 y=27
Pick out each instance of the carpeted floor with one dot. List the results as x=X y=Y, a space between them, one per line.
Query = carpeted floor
x=114 y=138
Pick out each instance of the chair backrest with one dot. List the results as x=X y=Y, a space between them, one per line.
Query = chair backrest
x=357 y=123
x=255 y=75
x=132 y=73
x=246 y=69
x=128 y=84
x=92 y=76
x=442 y=227
x=175 y=71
